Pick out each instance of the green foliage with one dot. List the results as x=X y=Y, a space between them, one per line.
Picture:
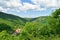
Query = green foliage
x=54 y=22
x=29 y=31
x=56 y=13
x=41 y=28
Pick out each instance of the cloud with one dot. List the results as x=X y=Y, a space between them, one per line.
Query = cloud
x=10 y=3
x=17 y=6
x=47 y=3
x=14 y=3
x=6 y=5
x=27 y=6
x=3 y=9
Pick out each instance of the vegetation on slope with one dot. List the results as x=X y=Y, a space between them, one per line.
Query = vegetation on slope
x=41 y=28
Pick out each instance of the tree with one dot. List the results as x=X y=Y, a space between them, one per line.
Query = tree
x=56 y=14
x=54 y=22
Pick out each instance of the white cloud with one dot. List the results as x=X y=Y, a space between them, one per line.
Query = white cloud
x=47 y=3
x=13 y=4
x=9 y=4
x=27 y=6
x=1 y=9
x=16 y=4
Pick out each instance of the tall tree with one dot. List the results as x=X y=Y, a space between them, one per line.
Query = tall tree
x=56 y=14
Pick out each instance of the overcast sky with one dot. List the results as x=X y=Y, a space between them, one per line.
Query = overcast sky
x=29 y=8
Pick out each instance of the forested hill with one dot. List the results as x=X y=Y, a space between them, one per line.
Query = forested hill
x=11 y=19
x=14 y=18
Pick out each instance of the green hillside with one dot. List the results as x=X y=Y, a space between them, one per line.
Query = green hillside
x=11 y=19
x=40 y=28
x=16 y=19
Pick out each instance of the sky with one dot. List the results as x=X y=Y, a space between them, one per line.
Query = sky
x=29 y=8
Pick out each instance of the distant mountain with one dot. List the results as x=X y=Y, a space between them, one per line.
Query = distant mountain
x=15 y=20
x=40 y=20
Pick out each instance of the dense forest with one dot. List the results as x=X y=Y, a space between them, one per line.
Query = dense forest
x=40 y=28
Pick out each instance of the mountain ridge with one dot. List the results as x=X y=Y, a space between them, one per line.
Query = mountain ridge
x=20 y=20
